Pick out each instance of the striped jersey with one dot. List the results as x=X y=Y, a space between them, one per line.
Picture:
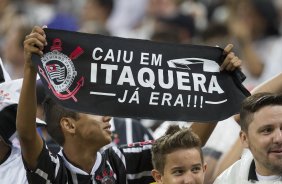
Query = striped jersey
x=130 y=164
x=127 y=130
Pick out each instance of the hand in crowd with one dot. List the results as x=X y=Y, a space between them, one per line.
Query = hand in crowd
x=231 y=61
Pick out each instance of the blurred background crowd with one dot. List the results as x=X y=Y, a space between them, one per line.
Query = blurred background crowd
x=253 y=26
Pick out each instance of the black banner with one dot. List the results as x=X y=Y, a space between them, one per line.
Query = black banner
x=137 y=78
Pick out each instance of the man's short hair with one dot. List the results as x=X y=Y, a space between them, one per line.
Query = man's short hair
x=174 y=139
x=53 y=113
x=253 y=104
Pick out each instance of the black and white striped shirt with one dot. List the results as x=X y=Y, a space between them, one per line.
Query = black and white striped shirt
x=129 y=164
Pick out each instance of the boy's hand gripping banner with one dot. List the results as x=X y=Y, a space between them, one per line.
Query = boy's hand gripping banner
x=137 y=78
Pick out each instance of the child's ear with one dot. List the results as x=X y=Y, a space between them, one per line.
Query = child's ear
x=68 y=125
x=157 y=176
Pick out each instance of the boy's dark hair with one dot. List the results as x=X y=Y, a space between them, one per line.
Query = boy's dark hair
x=53 y=114
x=174 y=139
x=253 y=104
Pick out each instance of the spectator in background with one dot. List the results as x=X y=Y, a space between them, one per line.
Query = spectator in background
x=255 y=25
x=13 y=51
x=215 y=34
x=126 y=16
x=145 y=27
x=198 y=11
x=95 y=15
x=180 y=27
x=40 y=11
x=9 y=13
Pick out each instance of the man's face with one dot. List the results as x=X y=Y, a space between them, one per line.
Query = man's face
x=264 y=139
x=94 y=129
x=183 y=166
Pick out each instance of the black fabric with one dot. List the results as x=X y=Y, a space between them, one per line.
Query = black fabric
x=8 y=122
x=252 y=172
x=138 y=78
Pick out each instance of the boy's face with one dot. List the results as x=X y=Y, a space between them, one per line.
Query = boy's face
x=183 y=166
x=94 y=129
x=264 y=138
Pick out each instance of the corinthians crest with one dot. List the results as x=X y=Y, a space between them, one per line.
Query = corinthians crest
x=59 y=71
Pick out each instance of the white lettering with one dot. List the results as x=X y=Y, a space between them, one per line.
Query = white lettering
x=94 y=53
x=154 y=96
x=181 y=80
x=161 y=79
x=199 y=82
x=144 y=56
x=110 y=55
x=214 y=86
x=126 y=76
x=130 y=57
x=93 y=73
x=156 y=61
x=166 y=98
x=147 y=83
x=109 y=69
x=178 y=101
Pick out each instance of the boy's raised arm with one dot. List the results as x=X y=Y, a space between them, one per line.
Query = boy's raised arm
x=30 y=141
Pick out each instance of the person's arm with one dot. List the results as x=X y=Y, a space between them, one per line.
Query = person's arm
x=30 y=141
x=241 y=31
x=230 y=63
x=203 y=130
x=273 y=85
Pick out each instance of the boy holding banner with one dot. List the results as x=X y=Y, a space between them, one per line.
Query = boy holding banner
x=81 y=136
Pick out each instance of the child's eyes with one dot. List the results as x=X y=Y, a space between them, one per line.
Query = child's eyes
x=177 y=172
x=196 y=169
